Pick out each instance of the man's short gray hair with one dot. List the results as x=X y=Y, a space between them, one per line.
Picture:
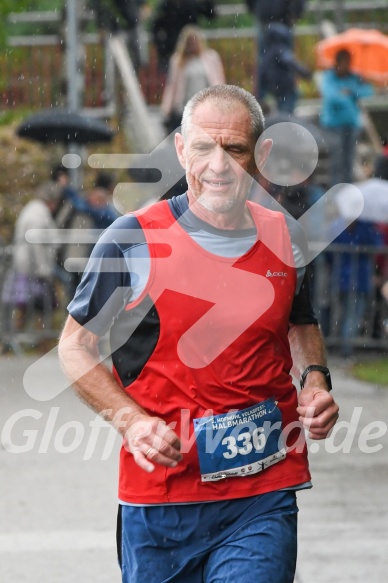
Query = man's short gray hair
x=227 y=95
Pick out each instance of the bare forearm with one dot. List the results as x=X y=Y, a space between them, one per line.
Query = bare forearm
x=148 y=438
x=307 y=347
x=95 y=384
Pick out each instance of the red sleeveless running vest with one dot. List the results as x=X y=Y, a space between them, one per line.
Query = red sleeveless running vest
x=222 y=345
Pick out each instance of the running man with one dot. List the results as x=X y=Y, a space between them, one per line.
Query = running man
x=208 y=310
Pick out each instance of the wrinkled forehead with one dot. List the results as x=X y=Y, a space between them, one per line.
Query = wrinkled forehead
x=222 y=116
x=212 y=108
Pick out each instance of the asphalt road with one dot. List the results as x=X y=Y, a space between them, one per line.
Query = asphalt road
x=58 y=467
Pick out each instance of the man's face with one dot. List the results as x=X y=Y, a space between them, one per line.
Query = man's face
x=218 y=155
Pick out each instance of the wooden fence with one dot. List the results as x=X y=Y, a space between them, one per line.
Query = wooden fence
x=34 y=76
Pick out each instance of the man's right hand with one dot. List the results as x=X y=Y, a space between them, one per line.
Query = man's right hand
x=151 y=442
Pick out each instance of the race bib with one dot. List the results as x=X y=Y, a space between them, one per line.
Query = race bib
x=240 y=443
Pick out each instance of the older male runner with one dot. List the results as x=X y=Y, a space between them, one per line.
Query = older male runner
x=208 y=310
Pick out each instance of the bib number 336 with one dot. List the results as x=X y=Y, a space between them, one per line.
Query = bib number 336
x=239 y=443
x=244 y=443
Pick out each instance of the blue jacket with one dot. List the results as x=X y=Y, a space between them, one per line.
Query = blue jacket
x=102 y=216
x=279 y=67
x=354 y=271
x=340 y=96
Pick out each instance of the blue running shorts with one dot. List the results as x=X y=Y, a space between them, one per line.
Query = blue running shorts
x=246 y=540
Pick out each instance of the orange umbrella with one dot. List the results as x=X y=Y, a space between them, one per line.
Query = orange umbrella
x=368 y=48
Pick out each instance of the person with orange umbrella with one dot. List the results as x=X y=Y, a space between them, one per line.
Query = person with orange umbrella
x=341 y=114
x=369 y=50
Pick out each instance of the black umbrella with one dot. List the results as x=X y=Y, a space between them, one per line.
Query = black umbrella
x=65 y=127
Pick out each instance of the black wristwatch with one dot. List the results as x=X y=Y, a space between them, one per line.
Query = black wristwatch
x=320 y=368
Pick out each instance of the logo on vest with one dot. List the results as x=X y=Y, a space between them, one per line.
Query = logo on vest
x=276 y=273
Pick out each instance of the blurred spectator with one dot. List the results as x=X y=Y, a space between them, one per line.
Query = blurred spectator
x=71 y=202
x=75 y=212
x=69 y=199
x=99 y=200
x=118 y=15
x=105 y=180
x=170 y=17
x=354 y=274
x=341 y=114
x=29 y=287
x=267 y=13
x=279 y=68
x=192 y=67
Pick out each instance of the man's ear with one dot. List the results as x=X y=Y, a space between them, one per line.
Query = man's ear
x=180 y=149
x=262 y=151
